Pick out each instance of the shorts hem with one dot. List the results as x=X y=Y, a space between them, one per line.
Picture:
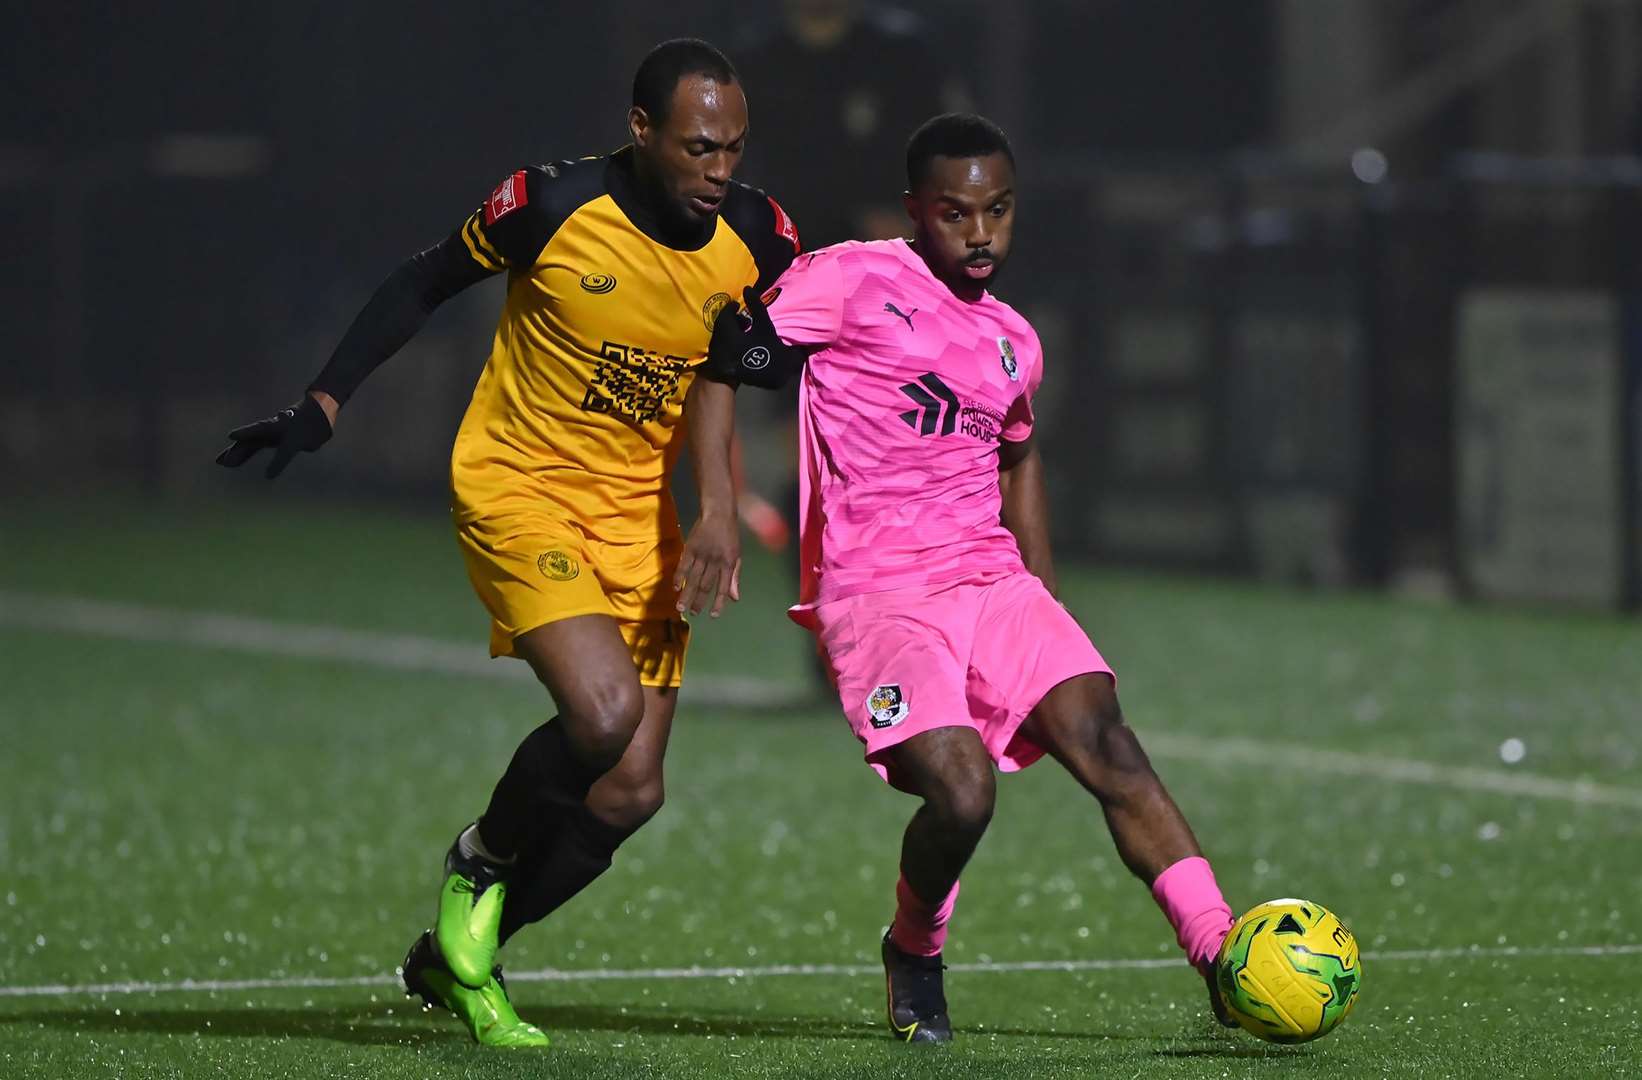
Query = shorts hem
x=1016 y=751
x=557 y=616
x=871 y=755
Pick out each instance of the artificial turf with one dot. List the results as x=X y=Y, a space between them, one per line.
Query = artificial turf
x=172 y=812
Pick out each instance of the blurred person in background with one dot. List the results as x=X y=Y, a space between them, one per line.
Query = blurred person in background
x=616 y=269
x=848 y=78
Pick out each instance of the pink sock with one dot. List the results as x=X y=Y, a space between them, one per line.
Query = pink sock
x=1188 y=895
x=918 y=928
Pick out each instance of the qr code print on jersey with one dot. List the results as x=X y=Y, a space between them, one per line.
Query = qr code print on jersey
x=633 y=382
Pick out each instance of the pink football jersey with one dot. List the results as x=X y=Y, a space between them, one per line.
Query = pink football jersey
x=904 y=399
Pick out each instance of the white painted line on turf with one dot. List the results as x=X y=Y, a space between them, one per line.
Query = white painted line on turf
x=1221 y=751
x=306 y=641
x=555 y=975
x=410 y=652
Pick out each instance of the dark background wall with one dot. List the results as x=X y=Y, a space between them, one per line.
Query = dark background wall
x=197 y=198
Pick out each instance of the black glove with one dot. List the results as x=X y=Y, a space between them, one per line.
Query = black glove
x=303 y=426
x=746 y=348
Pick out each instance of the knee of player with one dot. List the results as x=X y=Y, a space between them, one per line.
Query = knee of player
x=602 y=726
x=965 y=805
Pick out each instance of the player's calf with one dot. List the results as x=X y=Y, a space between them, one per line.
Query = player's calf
x=951 y=771
x=581 y=851
x=1079 y=722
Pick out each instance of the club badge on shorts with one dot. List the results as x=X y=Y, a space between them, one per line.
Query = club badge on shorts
x=1006 y=354
x=558 y=566
x=887 y=706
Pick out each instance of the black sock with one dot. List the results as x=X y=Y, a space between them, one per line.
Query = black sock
x=583 y=850
x=543 y=783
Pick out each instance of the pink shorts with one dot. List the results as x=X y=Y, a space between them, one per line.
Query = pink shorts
x=980 y=656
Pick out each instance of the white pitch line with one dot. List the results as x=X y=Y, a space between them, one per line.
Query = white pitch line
x=555 y=975
x=1222 y=751
x=410 y=652
x=307 y=641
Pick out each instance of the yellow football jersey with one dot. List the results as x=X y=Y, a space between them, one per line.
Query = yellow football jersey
x=577 y=414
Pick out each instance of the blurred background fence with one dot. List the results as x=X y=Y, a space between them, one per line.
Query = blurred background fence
x=1337 y=291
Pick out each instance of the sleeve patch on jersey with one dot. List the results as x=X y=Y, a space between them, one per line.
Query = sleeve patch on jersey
x=784 y=225
x=508 y=197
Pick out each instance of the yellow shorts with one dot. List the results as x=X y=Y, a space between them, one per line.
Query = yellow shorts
x=531 y=571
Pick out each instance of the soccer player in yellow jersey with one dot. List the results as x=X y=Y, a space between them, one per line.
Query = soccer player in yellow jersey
x=617 y=267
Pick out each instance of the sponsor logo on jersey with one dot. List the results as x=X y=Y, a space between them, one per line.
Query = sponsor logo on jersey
x=784 y=226
x=557 y=565
x=931 y=394
x=899 y=314
x=1006 y=355
x=715 y=304
x=508 y=197
x=599 y=283
x=940 y=411
x=633 y=382
x=886 y=706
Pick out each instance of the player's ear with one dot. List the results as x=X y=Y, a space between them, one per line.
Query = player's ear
x=638 y=126
x=910 y=201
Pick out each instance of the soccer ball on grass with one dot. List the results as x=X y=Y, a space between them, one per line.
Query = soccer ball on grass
x=1289 y=971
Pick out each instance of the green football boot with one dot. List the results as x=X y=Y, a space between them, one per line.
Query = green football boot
x=487 y=1012
x=470 y=916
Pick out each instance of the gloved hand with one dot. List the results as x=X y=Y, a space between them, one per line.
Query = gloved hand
x=746 y=349
x=303 y=426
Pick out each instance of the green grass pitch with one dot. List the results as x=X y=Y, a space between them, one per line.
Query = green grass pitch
x=273 y=825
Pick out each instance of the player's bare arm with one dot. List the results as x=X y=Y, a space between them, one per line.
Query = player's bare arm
x=1026 y=505
x=710 y=569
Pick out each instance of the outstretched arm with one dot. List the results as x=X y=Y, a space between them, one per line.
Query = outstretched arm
x=508 y=230
x=1026 y=505
x=394 y=314
x=710 y=570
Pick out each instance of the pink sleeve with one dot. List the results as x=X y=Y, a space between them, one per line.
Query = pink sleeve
x=1017 y=423
x=807 y=305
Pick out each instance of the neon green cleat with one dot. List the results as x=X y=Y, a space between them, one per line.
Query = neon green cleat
x=470 y=917
x=487 y=1012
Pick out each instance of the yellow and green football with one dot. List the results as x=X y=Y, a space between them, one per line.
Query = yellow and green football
x=1289 y=971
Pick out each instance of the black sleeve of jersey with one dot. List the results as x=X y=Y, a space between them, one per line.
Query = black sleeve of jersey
x=766 y=230
x=396 y=311
x=508 y=231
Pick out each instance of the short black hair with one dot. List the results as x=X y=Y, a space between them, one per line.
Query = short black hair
x=660 y=71
x=953 y=135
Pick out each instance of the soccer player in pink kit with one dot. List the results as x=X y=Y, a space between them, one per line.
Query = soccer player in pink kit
x=925 y=552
